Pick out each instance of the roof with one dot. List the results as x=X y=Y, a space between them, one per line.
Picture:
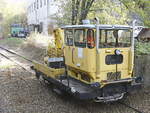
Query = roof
x=144 y=33
x=100 y=26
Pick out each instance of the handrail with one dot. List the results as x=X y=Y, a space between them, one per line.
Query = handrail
x=73 y=55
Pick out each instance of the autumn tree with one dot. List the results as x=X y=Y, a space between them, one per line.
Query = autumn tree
x=139 y=7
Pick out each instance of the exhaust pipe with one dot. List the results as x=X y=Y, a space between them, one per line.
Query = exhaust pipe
x=97 y=34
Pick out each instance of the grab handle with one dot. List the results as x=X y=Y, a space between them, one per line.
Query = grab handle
x=73 y=55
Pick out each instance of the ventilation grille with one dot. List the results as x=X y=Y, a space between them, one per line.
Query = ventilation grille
x=113 y=76
x=85 y=77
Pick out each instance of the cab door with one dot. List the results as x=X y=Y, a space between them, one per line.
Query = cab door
x=76 y=48
x=114 y=56
x=79 y=48
x=81 y=55
x=69 y=47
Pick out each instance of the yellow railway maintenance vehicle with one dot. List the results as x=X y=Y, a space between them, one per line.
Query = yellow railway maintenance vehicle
x=91 y=62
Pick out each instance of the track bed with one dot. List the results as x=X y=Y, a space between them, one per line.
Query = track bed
x=23 y=93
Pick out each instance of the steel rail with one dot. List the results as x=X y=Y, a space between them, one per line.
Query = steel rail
x=13 y=61
x=126 y=105
x=15 y=53
x=18 y=65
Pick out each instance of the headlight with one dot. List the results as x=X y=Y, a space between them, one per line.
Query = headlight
x=73 y=90
x=117 y=52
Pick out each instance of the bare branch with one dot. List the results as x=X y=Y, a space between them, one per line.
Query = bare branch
x=73 y=11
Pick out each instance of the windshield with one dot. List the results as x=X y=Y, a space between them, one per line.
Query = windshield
x=115 y=38
x=79 y=38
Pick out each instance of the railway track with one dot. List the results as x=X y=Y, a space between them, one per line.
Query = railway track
x=18 y=55
x=10 y=55
x=128 y=106
x=7 y=56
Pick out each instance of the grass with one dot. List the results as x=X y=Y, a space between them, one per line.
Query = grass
x=14 y=42
x=142 y=48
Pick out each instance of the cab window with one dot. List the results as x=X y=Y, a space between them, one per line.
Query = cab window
x=115 y=38
x=90 y=39
x=79 y=38
x=69 y=37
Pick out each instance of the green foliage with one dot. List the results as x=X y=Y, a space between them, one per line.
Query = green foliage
x=11 y=13
x=63 y=16
x=109 y=12
x=11 y=41
x=140 y=7
x=142 y=48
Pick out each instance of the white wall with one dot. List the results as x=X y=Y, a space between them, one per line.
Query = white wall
x=41 y=14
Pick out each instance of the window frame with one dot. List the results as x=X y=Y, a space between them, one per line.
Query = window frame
x=105 y=43
x=77 y=44
x=66 y=38
x=41 y=3
x=34 y=5
x=45 y=2
x=37 y=4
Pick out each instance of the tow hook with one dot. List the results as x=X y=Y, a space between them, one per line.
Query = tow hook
x=139 y=79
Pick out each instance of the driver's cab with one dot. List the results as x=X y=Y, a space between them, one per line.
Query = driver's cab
x=99 y=53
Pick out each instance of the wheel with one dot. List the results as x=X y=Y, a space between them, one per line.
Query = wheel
x=37 y=74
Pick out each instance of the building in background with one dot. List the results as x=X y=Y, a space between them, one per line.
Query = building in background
x=1 y=30
x=39 y=13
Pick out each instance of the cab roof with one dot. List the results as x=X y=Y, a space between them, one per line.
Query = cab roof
x=91 y=26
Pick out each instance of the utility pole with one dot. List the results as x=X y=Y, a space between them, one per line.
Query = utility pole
x=1 y=19
x=47 y=20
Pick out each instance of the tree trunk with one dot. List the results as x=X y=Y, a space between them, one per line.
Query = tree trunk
x=86 y=5
x=80 y=10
